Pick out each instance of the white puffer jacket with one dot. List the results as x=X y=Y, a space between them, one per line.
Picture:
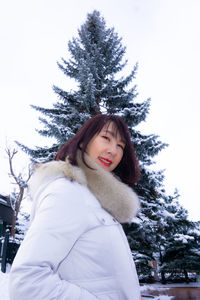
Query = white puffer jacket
x=75 y=248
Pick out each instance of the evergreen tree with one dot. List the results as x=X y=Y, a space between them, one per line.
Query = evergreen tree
x=171 y=240
x=96 y=60
x=96 y=64
x=182 y=240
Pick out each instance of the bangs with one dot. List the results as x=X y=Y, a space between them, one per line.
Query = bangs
x=117 y=129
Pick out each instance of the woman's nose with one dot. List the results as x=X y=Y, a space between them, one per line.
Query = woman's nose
x=113 y=149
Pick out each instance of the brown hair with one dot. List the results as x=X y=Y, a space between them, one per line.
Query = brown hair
x=128 y=168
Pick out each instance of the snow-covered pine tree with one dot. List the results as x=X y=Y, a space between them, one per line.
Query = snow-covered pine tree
x=96 y=64
x=96 y=60
x=146 y=233
x=181 y=241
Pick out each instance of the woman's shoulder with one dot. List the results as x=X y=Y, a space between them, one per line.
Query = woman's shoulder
x=73 y=191
x=45 y=174
x=62 y=189
x=61 y=194
x=63 y=185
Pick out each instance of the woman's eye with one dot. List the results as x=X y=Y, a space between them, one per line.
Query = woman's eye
x=105 y=137
x=122 y=147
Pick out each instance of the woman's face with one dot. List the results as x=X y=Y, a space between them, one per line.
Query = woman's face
x=106 y=148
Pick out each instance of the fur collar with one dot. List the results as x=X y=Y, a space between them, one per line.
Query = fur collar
x=114 y=196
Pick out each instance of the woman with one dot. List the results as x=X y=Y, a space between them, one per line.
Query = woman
x=75 y=248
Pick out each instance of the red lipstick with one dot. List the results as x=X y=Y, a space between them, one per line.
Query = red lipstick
x=105 y=161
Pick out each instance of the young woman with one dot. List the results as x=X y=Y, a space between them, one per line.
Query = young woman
x=75 y=248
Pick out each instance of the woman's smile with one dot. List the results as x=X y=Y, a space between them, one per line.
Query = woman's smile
x=105 y=161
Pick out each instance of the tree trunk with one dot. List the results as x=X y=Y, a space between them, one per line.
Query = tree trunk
x=163 y=279
x=16 y=211
x=186 y=276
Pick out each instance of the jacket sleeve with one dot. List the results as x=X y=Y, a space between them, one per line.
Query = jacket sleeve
x=58 y=223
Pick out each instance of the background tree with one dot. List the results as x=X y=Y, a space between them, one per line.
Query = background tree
x=96 y=64
x=17 y=195
x=182 y=237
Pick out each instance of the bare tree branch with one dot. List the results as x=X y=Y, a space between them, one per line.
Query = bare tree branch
x=21 y=183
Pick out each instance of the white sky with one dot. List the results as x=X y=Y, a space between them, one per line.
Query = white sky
x=163 y=36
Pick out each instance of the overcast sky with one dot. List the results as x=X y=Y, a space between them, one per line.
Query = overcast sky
x=162 y=36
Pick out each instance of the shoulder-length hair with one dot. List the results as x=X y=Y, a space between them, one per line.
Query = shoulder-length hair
x=127 y=170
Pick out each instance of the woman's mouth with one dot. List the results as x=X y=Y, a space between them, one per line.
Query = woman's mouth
x=105 y=161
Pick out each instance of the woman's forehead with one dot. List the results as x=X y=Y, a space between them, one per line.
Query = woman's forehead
x=111 y=128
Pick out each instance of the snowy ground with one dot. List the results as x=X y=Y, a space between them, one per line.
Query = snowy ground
x=153 y=287
x=4 y=288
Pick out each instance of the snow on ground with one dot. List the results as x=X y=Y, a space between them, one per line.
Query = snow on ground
x=143 y=288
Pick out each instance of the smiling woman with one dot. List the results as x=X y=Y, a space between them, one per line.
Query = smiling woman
x=75 y=248
x=107 y=147
x=113 y=129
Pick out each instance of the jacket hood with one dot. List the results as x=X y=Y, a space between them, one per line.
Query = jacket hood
x=114 y=196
